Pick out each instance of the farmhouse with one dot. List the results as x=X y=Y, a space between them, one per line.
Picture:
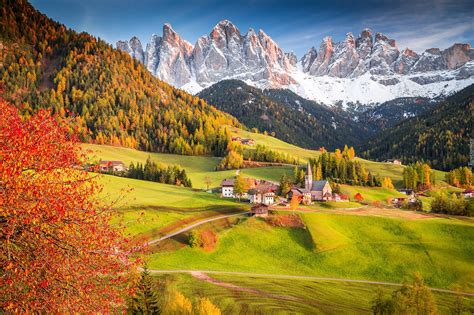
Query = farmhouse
x=468 y=193
x=393 y=161
x=115 y=166
x=303 y=194
x=262 y=195
x=227 y=186
x=260 y=210
x=244 y=141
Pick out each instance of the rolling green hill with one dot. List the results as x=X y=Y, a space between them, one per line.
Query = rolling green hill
x=343 y=246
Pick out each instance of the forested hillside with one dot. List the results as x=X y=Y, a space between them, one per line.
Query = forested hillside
x=440 y=135
x=112 y=98
x=286 y=115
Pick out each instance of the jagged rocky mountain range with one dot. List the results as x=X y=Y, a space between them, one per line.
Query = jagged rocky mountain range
x=367 y=69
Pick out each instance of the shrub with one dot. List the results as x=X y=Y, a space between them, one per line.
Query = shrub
x=195 y=239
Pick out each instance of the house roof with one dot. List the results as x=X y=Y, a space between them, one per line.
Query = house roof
x=228 y=182
x=300 y=191
x=318 y=185
x=111 y=163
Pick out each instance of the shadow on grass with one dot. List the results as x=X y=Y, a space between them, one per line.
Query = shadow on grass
x=227 y=209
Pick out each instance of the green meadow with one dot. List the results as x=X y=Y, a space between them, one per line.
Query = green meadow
x=146 y=207
x=342 y=246
x=197 y=167
x=283 y=296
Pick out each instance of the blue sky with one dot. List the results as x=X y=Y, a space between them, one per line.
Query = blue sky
x=295 y=25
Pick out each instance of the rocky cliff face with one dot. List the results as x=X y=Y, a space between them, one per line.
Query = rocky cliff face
x=354 y=57
x=365 y=68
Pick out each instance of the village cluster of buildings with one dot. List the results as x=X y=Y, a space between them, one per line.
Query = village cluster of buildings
x=265 y=192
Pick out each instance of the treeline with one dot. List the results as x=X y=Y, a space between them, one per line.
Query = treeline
x=263 y=153
x=153 y=297
x=340 y=167
x=460 y=177
x=412 y=298
x=151 y=171
x=418 y=176
x=454 y=204
x=236 y=154
x=112 y=98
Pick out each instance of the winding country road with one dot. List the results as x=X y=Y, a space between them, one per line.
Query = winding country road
x=189 y=227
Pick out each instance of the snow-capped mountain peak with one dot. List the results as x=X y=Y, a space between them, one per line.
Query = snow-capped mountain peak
x=365 y=69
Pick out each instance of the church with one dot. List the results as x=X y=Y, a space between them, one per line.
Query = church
x=314 y=190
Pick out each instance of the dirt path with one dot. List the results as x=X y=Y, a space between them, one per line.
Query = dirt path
x=189 y=227
x=380 y=212
x=204 y=277
x=291 y=277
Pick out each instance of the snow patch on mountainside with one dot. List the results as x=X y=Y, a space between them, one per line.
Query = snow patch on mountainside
x=365 y=90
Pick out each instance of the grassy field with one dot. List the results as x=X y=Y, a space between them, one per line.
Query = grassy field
x=197 y=167
x=370 y=194
x=343 y=246
x=280 y=296
x=146 y=207
x=276 y=144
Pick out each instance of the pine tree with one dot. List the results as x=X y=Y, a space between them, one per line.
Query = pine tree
x=146 y=300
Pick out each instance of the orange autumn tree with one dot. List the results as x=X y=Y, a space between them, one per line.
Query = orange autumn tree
x=58 y=253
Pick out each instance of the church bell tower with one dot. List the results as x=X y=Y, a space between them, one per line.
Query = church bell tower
x=308 y=179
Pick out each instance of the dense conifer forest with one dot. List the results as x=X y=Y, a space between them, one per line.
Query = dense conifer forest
x=111 y=98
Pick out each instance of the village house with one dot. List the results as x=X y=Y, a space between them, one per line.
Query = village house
x=393 y=161
x=227 y=187
x=115 y=166
x=340 y=197
x=468 y=193
x=244 y=141
x=260 y=210
x=302 y=194
x=263 y=192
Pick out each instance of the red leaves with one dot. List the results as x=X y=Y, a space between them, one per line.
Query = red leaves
x=58 y=252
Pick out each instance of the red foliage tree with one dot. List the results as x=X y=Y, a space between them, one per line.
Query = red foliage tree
x=358 y=197
x=58 y=252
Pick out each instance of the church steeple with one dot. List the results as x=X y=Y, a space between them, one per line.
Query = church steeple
x=308 y=179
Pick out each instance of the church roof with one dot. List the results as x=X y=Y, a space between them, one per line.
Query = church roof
x=318 y=185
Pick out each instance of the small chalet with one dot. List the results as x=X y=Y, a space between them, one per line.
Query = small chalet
x=263 y=192
x=340 y=197
x=468 y=193
x=303 y=194
x=260 y=210
x=393 y=161
x=227 y=186
x=244 y=141
x=115 y=166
